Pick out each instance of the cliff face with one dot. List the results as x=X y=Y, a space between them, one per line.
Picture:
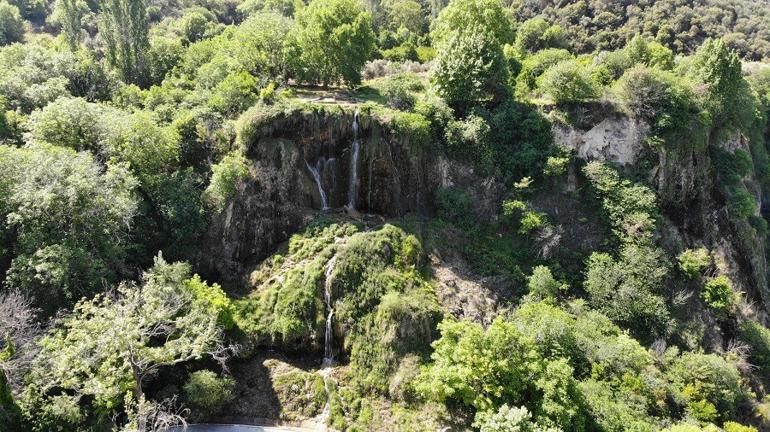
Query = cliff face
x=304 y=161
x=691 y=197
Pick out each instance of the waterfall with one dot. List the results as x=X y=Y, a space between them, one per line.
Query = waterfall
x=329 y=335
x=316 y=173
x=353 y=188
x=328 y=359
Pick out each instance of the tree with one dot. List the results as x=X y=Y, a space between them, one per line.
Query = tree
x=69 y=14
x=331 y=42
x=11 y=24
x=472 y=17
x=627 y=289
x=124 y=29
x=719 y=68
x=536 y=34
x=70 y=218
x=542 y=284
x=68 y=122
x=469 y=67
x=568 y=82
x=19 y=331
x=106 y=349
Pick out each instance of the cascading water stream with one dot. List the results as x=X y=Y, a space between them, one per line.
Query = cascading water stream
x=353 y=188
x=329 y=336
x=316 y=173
x=328 y=359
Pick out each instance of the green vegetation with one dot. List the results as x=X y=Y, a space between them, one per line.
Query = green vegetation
x=559 y=222
x=206 y=393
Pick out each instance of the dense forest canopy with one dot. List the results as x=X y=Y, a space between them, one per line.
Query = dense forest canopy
x=407 y=215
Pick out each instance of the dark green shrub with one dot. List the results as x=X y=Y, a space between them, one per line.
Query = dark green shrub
x=741 y=203
x=455 y=206
x=206 y=393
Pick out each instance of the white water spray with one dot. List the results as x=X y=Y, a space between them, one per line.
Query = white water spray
x=353 y=188
x=316 y=173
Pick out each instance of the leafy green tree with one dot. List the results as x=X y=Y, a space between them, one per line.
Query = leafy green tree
x=649 y=53
x=235 y=93
x=568 y=82
x=69 y=122
x=469 y=67
x=260 y=43
x=719 y=68
x=284 y=7
x=69 y=14
x=12 y=26
x=661 y=97
x=536 y=34
x=196 y=23
x=470 y=17
x=628 y=289
x=542 y=284
x=138 y=139
x=535 y=65
x=506 y=370
x=331 y=42
x=506 y=419
x=124 y=29
x=711 y=387
x=104 y=351
x=70 y=217
x=404 y=16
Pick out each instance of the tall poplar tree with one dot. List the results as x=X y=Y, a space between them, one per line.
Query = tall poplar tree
x=124 y=29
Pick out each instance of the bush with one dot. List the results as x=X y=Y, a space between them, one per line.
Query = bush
x=69 y=122
x=469 y=139
x=399 y=90
x=661 y=97
x=693 y=261
x=568 y=82
x=206 y=393
x=535 y=65
x=12 y=26
x=627 y=289
x=235 y=93
x=455 y=206
x=505 y=419
x=707 y=379
x=225 y=178
x=741 y=203
x=718 y=293
x=542 y=284
x=536 y=34
x=758 y=338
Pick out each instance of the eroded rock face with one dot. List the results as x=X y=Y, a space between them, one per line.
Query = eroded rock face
x=690 y=197
x=395 y=176
x=617 y=139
